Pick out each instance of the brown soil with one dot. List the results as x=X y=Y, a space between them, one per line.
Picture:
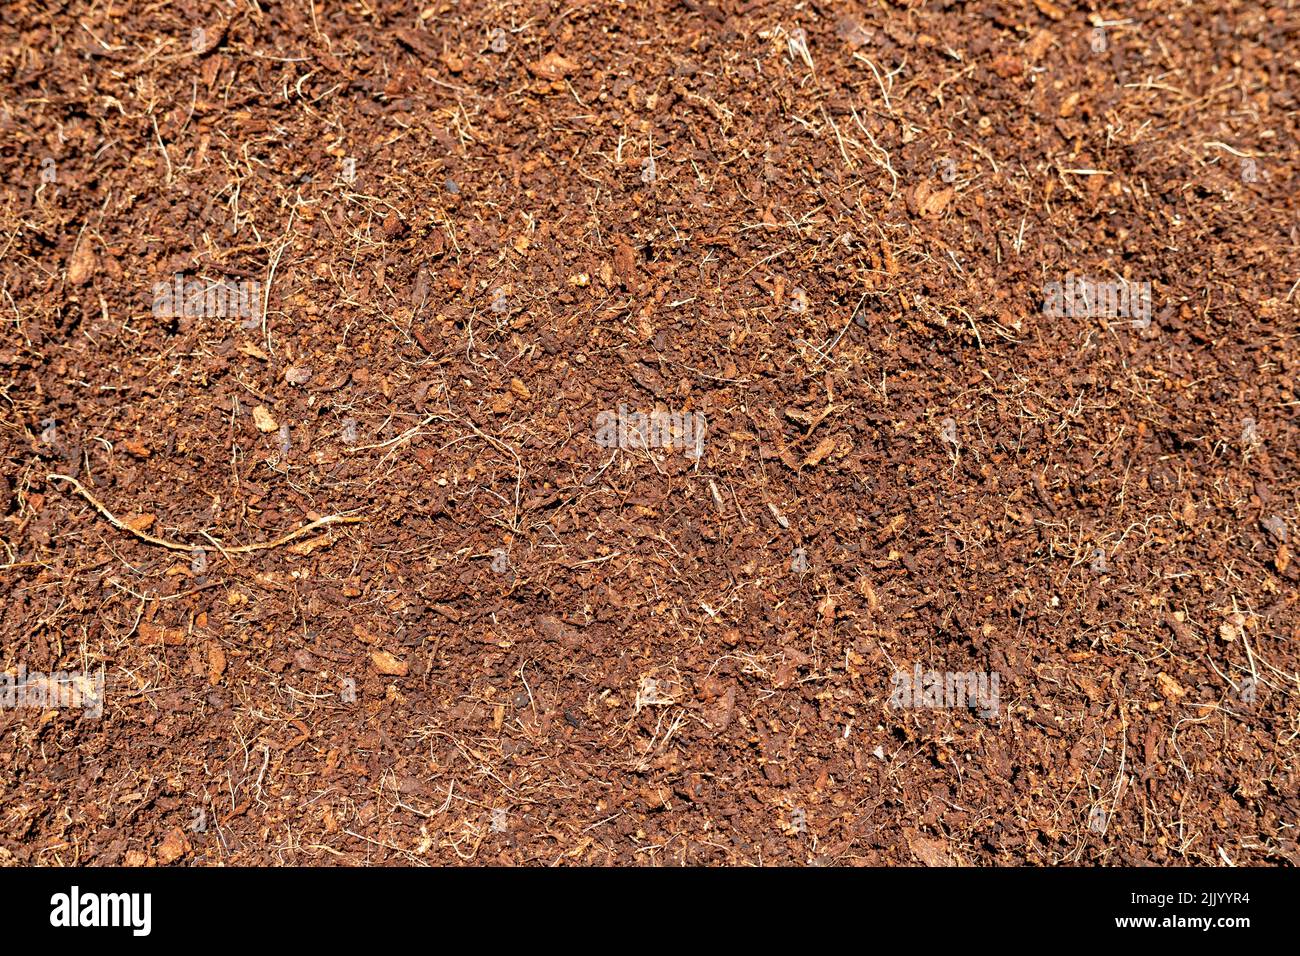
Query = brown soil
x=832 y=244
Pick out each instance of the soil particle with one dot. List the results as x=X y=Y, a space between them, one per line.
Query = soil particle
x=991 y=337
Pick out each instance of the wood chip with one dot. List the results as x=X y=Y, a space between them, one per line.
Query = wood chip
x=1049 y=9
x=263 y=420
x=931 y=852
x=173 y=847
x=1170 y=688
x=553 y=66
x=818 y=455
x=216 y=663
x=311 y=544
x=386 y=663
x=82 y=264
